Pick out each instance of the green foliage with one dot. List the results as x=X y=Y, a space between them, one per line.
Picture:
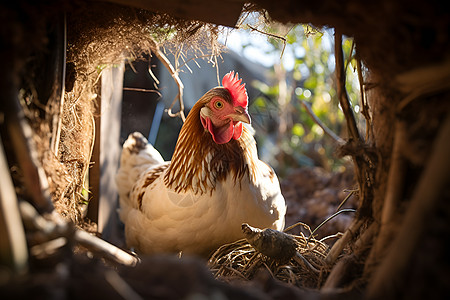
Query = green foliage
x=300 y=140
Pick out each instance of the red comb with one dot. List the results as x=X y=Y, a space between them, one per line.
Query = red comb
x=237 y=90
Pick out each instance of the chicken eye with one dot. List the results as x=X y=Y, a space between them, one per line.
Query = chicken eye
x=218 y=104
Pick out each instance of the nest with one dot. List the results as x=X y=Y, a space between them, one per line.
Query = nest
x=304 y=267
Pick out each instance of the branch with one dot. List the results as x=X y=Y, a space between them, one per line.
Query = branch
x=141 y=90
x=49 y=230
x=327 y=220
x=174 y=73
x=342 y=92
x=362 y=158
x=106 y=249
x=271 y=35
x=364 y=105
x=350 y=56
x=151 y=73
x=316 y=119
x=185 y=62
x=302 y=260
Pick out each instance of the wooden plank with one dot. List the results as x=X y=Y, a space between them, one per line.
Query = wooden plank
x=106 y=154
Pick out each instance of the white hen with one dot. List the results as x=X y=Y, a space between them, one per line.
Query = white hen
x=214 y=183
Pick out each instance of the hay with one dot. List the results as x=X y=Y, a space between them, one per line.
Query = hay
x=100 y=35
x=240 y=261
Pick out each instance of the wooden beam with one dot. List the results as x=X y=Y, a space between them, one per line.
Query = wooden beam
x=106 y=152
x=225 y=12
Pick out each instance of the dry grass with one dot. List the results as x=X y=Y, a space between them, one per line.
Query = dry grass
x=240 y=261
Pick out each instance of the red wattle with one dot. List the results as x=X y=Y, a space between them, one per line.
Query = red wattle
x=223 y=134
x=237 y=131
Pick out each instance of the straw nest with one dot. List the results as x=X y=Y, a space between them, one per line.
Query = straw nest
x=294 y=259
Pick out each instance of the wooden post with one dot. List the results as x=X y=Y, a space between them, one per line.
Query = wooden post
x=106 y=154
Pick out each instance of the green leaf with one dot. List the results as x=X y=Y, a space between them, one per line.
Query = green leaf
x=298 y=130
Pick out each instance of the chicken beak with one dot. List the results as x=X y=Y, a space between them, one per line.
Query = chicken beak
x=241 y=115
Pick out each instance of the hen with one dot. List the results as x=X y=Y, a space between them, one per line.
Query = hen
x=214 y=183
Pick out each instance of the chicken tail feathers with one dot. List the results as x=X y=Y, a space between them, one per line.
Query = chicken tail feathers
x=135 y=143
x=137 y=156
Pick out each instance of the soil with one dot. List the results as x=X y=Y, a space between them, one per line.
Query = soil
x=312 y=195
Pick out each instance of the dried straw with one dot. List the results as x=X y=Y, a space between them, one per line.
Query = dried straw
x=240 y=261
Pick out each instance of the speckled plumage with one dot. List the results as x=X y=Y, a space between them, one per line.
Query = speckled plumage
x=199 y=200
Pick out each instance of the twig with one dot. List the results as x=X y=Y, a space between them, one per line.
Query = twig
x=350 y=56
x=142 y=90
x=364 y=105
x=333 y=236
x=268 y=269
x=174 y=73
x=342 y=92
x=306 y=226
x=316 y=119
x=340 y=244
x=363 y=164
x=266 y=33
x=424 y=201
x=232 y=270
x=345 y=199
x=185 y=62
x=302 y=260
x=255 y=254
x=48 y=248
x=328 y=219
x=106 y=249
x=151 y=72
x=217 y=69
x=271 y=35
